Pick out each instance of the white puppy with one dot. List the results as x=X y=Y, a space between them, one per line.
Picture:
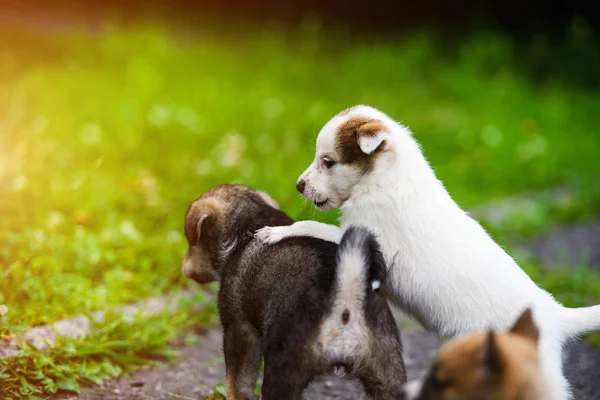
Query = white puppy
x=447 y=273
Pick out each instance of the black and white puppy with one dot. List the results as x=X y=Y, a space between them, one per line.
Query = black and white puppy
x=305 y=304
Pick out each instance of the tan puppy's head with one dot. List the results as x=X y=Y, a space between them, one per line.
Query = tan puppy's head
x=488 y=366
x=204 y=224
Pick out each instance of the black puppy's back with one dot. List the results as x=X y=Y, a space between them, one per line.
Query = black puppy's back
x=295 y=297
x=290 y=279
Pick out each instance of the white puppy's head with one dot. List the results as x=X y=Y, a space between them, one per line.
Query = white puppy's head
x=350 y=147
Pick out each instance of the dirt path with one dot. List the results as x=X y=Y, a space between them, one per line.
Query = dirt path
x=200 y=367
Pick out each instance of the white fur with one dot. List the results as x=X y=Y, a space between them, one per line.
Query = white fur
x=227 y=247
x=449 y=273
x=336 y=339
x=368 y=143
x=274 y=234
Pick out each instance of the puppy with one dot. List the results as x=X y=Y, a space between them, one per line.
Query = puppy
x=488 y=366
x=309 y=306
x=450 y=275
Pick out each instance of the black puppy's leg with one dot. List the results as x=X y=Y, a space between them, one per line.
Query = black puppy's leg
x=383 y=373
x=285 y=377
x=242 y=349
x=382 y=388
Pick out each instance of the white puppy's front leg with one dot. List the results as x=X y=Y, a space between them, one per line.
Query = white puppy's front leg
x=319 y=230
x=412 y=389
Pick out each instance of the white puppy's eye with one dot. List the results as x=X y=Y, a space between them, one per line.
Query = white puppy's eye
x=327 y=162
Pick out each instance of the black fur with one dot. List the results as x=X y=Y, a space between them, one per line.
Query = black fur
x=360 y=237
x=274 y=298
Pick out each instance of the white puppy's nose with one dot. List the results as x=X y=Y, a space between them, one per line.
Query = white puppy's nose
x=300 y=186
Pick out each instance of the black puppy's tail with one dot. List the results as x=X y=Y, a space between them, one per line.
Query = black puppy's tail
x=360 y=264
x=360 y=269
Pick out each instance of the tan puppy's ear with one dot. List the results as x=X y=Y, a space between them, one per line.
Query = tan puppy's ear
x=371 y=136
x=525 y=326
x=491 y=359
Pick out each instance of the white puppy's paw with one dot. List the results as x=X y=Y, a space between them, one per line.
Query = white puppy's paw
x=412 y=389
x=272 y=234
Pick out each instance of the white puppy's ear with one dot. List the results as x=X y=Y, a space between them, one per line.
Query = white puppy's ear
x=371 y=136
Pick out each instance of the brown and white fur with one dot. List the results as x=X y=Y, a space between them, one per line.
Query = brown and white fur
x=309 y=306
x=487 y=366
x=449 y=274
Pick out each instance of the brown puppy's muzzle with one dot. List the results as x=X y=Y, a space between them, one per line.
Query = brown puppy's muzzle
x=202 y=278
x=191 y=270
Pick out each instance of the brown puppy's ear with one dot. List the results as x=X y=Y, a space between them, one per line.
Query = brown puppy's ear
x=203 y=218
x=525 y=326
x=491 y=359
x=371 y=136
x=194 y=221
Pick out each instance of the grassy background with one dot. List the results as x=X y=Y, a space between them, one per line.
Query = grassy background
x=105 y=138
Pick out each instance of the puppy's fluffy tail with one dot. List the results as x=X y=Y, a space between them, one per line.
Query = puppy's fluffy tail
x=360 y=269
x=577 y=321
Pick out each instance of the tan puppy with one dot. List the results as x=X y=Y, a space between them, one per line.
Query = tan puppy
x=488 y=366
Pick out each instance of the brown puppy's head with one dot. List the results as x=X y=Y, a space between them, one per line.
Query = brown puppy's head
x=488 y=366
x=204 y=223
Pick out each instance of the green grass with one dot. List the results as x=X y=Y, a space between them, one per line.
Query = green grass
x=115 y=346
x=106 y=138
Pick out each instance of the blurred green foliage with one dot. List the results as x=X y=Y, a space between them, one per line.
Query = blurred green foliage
x=106 y=138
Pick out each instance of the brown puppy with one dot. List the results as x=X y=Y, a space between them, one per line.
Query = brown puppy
x=488 y=366
x=309 y=306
